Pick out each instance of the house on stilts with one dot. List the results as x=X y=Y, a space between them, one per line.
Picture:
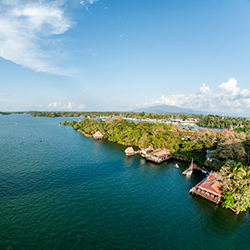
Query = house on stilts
x=208 y=188
x=158 y=155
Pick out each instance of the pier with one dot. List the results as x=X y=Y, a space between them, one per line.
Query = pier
x=130 y=151
x=194 y=166
x=191 y=167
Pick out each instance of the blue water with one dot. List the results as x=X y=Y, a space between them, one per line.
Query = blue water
x=61 y=190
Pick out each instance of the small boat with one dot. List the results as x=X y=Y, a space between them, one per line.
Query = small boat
x=189 y=172
x=190 y=169
x=176 y=165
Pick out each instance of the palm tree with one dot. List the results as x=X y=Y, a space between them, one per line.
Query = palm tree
x=237 y=171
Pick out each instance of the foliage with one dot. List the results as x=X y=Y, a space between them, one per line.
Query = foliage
x=235 y=184
x=215 y=121
x=230 y=148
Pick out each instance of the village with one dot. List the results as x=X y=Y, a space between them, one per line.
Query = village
x=208 y=188
x=205 y=150
x=173 y=121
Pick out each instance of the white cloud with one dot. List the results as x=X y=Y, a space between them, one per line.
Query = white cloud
x=247 y=102
x=25 y=26
x=39 y=16
x=87 y=2
x=81 y=106
x=229 y=98
x=29 y=27
x=245 y=93
x=55 y=105
x=90 y=1
x=204 y=89
x=58 y=105
x=230 y=86
x=70 y=105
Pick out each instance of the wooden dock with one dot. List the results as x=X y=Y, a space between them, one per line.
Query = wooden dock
x=134 y=153
x=189 y=170
x=194 y=166
x=130 y=151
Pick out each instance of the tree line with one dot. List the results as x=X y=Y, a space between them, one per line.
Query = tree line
x=229 y=149
x=211 y=121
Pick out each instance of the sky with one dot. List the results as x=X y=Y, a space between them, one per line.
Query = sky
x=120 y=55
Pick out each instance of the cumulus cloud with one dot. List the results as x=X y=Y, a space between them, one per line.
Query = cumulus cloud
x=84 y=2
x=229 y=98
x=230 y=86
x=58 y=105
x=204 y=89
x=55 y=105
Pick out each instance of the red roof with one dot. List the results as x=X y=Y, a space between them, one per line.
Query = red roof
x=191 y=131
x=183 y=130
x=160 y=153
x=210 y=184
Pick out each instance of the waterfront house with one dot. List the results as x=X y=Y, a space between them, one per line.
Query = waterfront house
x=98 y=135
x=158 y=155
x=208 y=188
x=129 y=151
x=146 y=151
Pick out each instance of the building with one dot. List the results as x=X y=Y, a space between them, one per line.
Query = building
x=98 y=135
x=129 y=151
x=146 y=151
x=208 y=188
x=158 y=155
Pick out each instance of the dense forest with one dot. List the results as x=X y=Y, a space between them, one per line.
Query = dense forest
x=230 y=155
x=214 y=121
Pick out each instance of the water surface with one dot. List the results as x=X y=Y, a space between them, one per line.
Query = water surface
x=61 y=190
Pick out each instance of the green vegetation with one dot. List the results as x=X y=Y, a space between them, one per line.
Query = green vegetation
x=135 y=115
x=235 y=183
x=215 y=121
x=240 y=124
x=182 y=143
x=141 y=134
x=231 y=150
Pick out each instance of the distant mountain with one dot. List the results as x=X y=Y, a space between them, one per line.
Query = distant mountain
x=165 y=109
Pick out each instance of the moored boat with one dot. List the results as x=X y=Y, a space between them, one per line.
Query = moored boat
x=189 y=172
x=176 y=165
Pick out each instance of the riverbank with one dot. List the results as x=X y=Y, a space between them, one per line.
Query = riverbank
x=186 y=146
x=82 y=132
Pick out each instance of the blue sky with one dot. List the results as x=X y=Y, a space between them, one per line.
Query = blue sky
x=124 y=54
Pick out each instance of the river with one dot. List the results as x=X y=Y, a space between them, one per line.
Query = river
x=61 y=190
